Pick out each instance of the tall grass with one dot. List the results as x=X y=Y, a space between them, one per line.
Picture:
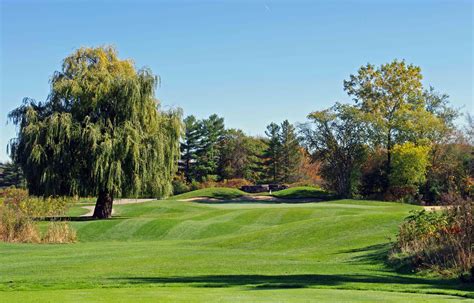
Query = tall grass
x=15 y=226
x=18 y=212
x=59 y=232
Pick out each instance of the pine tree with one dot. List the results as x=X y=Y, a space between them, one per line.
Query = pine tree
x=11 y=175
x=211 y=132
x=290 y=153
x=273 y=153
x=189 y=147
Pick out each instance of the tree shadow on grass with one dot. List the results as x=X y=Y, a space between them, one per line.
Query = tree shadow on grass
x=299 y=281
x=372 y=254
x=378 y=255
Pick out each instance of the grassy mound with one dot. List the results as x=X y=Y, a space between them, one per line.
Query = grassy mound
x=172 y=251
x=222 y=193
x=302 y=192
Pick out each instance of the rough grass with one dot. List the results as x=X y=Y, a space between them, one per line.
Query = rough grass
x=171 y=251
x=59 y=232
x=222 y=193
x=302 y=192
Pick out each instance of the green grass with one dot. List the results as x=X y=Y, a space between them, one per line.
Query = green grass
x=171 y=251
x=302 y=192
x=76 y=211
x=222 y=193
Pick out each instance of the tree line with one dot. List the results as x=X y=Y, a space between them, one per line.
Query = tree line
x=397 y=140
x=210 y=152
x=102 y=132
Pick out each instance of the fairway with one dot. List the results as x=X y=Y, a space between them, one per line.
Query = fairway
x=171 y=251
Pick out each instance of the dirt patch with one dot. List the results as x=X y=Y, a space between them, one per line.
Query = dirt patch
x=200 y=199
x=437 y=207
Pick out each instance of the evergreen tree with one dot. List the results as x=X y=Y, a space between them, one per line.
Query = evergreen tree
x=211 y=132
x=273 y=153
x=290 y=153
x=190 y=147
x=11 y=175
x=99 y=133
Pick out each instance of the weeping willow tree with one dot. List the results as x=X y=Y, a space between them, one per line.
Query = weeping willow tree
x=100 y=132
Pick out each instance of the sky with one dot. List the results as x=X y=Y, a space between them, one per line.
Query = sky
x=251 y=62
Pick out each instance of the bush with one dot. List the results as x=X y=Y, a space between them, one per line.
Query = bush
x=15 y=226
x=195 y=185
x=180 y=186
x=234 y=183
x=440 y=241
x=35 y=206
x=17 y=211
x=45 y=207
x=406 y=194
x=59 y=232
x=12 y=195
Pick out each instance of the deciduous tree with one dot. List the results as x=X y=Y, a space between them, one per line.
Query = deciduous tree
x=241 y=156
x=409 y=164
x=336 y=137
x=99 y=132
x=397 y=107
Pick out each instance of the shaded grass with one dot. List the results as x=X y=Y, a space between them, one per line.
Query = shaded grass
x=76 y=211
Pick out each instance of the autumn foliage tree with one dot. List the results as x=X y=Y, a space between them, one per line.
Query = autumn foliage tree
x=99 y=132
x=397 y=107
x=336 y=137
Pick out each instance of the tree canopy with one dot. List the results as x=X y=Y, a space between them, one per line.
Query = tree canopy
x=99 y=132
x=397 y=107
x=336 y=137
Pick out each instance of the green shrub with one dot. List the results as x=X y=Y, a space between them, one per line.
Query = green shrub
x=180 y=187
x=195 y=185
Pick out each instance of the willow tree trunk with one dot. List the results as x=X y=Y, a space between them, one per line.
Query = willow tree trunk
x=103 y=206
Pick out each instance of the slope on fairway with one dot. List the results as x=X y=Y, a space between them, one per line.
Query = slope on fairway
x=302 y=192
x=191 y=252
x=212 y=192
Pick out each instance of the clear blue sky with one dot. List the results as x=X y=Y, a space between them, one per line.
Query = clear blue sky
x=251 y=62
